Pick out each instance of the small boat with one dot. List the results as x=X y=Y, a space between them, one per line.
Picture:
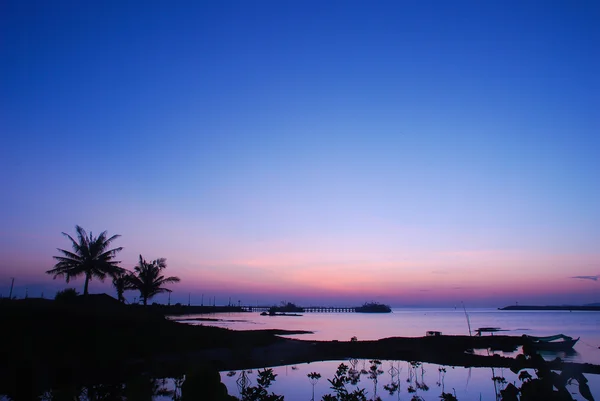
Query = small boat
x=491 y=330
x=550 y=343
x=272 y=313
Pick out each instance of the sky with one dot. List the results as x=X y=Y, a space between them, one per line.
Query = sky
x=318 y=152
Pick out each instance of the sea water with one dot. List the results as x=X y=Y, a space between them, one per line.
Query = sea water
x=415 y=322
x=467 y=384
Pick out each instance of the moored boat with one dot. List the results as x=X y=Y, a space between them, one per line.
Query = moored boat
x=558 y=342
x=491 y=330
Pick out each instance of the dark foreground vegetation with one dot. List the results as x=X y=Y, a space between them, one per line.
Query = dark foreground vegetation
x=95 y=339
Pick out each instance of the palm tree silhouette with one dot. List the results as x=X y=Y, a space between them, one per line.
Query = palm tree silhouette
x=90 y=257
x=122 y=282
x=147 y=278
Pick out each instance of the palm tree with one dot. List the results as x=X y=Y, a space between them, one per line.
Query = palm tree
x=122 y=282
x=91 y=257
x=147 y=278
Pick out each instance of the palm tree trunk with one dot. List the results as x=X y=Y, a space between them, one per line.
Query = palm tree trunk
x=85 y=288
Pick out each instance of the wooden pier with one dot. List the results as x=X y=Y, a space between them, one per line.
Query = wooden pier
x=308 y=309
x=329 y=309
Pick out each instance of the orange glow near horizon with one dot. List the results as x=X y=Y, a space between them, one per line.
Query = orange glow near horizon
x=401 y=276
x=445 y=275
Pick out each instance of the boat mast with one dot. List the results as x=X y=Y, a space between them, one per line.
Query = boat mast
x=467 y=316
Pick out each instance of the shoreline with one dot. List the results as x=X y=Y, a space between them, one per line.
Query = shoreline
x=444 y=351
x=551 y=308
x=116 y=342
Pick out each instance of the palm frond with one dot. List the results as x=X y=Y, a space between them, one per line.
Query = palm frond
x=169 y=280
x=69 y=254
x=76 y=245
x=111 y=239
x=161 y=263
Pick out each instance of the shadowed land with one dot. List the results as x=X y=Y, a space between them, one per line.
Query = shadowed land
x=588 y=308
x=178 y=310
x=97 y=339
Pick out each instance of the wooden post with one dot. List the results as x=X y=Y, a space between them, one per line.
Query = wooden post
x=11 y=288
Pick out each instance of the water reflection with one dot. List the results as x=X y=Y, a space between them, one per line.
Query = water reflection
x=384 y=380
x=348 y=380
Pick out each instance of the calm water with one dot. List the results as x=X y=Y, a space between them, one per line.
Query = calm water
x=415 y=322
x=468 y=384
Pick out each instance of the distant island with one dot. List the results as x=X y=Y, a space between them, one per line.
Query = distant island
x=285 y=309
x=553 y=307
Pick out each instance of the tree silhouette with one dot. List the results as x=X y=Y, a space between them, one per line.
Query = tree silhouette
x=90 y=257
x=66 y=295
x=147 y=278
x=122 y=282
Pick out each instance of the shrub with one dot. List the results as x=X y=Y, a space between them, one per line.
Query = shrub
x=66 y=295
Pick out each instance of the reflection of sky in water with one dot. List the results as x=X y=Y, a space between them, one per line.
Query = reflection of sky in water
x=416 y=321
x=469 y=384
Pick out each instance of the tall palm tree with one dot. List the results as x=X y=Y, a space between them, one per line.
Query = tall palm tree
x=147 y=278
x=90 y=257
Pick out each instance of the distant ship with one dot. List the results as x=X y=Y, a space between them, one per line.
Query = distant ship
x=373 y=307
x=286 y=308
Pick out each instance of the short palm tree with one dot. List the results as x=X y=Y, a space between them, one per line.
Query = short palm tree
x=147 y=278
x=91 y=257
x=122 y=282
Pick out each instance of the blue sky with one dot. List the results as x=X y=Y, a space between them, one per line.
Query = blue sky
x=258 y=144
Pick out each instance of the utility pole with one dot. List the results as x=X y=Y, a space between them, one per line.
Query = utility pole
x=189 y=297
x=169 y=304
x=202 y=303
x=214 y=300
x=229 y=301
x=11 y=288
